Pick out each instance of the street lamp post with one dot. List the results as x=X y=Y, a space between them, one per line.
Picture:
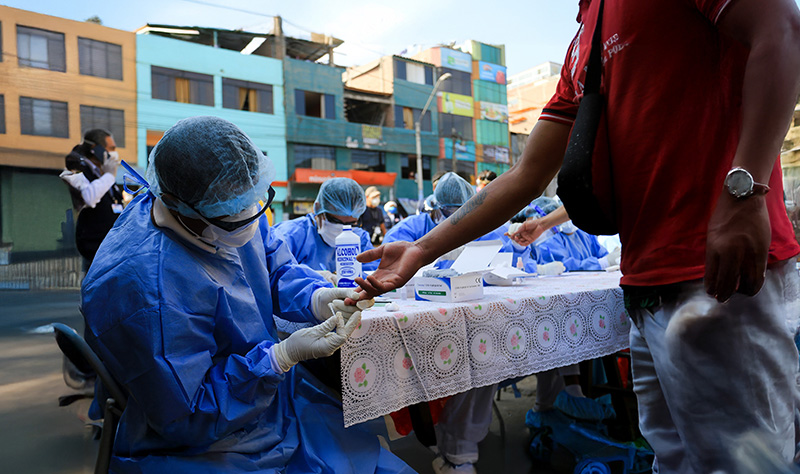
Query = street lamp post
x=441 y=79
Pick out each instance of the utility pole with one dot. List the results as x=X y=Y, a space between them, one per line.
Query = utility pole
x=280 y=40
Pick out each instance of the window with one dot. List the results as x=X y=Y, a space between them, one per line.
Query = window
x=41 y=49
x=247 y=96
x=406 y=117
x=450 y=125
x=412 y=72
x=408 y=168
x=316 y=157
x=110 y=119
x=182 y=86
x=101 y=59
x=46 y=118
x=367 y=160
x=460 y=82
x=490 y=54
x=2 y=114
x=314 y=104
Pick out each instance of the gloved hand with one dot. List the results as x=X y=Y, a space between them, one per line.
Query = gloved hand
x=613 y=257
x=550 y=269
x=324 y=298
x=317 y=341
x=110 y=165
x=330 y=277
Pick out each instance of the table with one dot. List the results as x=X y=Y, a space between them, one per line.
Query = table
x=428 y=350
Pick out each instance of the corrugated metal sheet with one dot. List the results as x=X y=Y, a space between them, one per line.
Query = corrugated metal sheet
x=60 y=273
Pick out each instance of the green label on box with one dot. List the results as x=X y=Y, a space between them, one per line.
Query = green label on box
x=432 y=293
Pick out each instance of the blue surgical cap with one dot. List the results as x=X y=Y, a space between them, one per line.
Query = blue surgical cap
x=547 y=204
x=211 y=165
x=453 y=190
x=342 y=197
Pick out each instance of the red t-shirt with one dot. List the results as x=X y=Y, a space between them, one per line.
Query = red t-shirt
x=674 y=89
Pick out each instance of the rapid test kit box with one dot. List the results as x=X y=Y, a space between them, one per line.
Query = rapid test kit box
x=468 y=284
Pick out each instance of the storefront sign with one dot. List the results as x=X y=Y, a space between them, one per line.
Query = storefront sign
x=457 y=104
x=464 y=150
x=492 y=72
x=497 y=154
x=494 y=112
x=456 y=60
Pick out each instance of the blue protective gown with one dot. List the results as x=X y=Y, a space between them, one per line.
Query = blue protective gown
x=308 y=247
x=414 y=227
x=187 y=332
x=578 y=251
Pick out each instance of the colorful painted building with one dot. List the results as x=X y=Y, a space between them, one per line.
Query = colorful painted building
x=528 y=92
x=59 y=79
x=205 y=73
x=472 y=105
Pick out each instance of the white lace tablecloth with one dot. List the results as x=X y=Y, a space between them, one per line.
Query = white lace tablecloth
x=430 y=350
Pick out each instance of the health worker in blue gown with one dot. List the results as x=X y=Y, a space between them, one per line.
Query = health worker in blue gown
x=576 y=249
x=312 y=238
x=179 y=305
x=451 y=192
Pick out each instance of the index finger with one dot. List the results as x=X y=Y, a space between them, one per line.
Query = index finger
x=370 y=255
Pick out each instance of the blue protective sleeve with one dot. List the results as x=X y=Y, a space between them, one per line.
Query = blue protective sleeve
x=292 y=283
x=366 y=244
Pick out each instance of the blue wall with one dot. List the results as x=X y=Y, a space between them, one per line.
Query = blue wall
x=268 y=131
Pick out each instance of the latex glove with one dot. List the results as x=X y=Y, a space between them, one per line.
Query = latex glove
x=327 y=301
x=110 y=165
x=317 y=341
x=330 y=277
x=613 y=257
x=550 y=269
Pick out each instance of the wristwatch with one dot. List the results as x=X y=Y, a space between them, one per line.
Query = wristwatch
x=740 y=184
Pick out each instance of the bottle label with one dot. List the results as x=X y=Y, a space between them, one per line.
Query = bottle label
x=347 y=267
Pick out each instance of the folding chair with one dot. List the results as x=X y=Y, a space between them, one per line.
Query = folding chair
x=79 y=353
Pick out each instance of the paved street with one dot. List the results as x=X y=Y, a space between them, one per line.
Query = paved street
x=40 y=437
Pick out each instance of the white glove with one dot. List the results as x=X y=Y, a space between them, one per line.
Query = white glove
x=317 y=341
x=550 y=269
x=326 y=301
x=514 y=228
x=110 y=165
x=330 y=277
x=613 y=257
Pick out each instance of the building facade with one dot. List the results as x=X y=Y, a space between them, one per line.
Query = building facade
x=179 y=79
x=59 y=79
x=528 y=93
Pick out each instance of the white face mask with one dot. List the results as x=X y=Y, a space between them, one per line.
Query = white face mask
x=114 y=155
x=376 y=202
x=568 y=228
x=329 y=231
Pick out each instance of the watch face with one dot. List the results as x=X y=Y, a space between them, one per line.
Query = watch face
x=739 y=182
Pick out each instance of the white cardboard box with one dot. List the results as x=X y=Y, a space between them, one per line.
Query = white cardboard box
x=471 y=264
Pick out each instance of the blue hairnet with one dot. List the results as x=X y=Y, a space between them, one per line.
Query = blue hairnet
x=547 y=204
x=342 y=197
x=211 y=165
x=453 y=190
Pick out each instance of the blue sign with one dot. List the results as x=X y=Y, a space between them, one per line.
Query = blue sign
x=457 y=60
x=492 y=72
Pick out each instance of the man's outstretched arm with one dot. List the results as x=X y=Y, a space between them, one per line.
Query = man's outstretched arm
x=486 y=211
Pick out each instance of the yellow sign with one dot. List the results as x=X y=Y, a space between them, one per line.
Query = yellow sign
x=371 y=135
x=457 y=104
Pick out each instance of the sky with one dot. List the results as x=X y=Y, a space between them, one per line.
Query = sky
x=533 y=31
